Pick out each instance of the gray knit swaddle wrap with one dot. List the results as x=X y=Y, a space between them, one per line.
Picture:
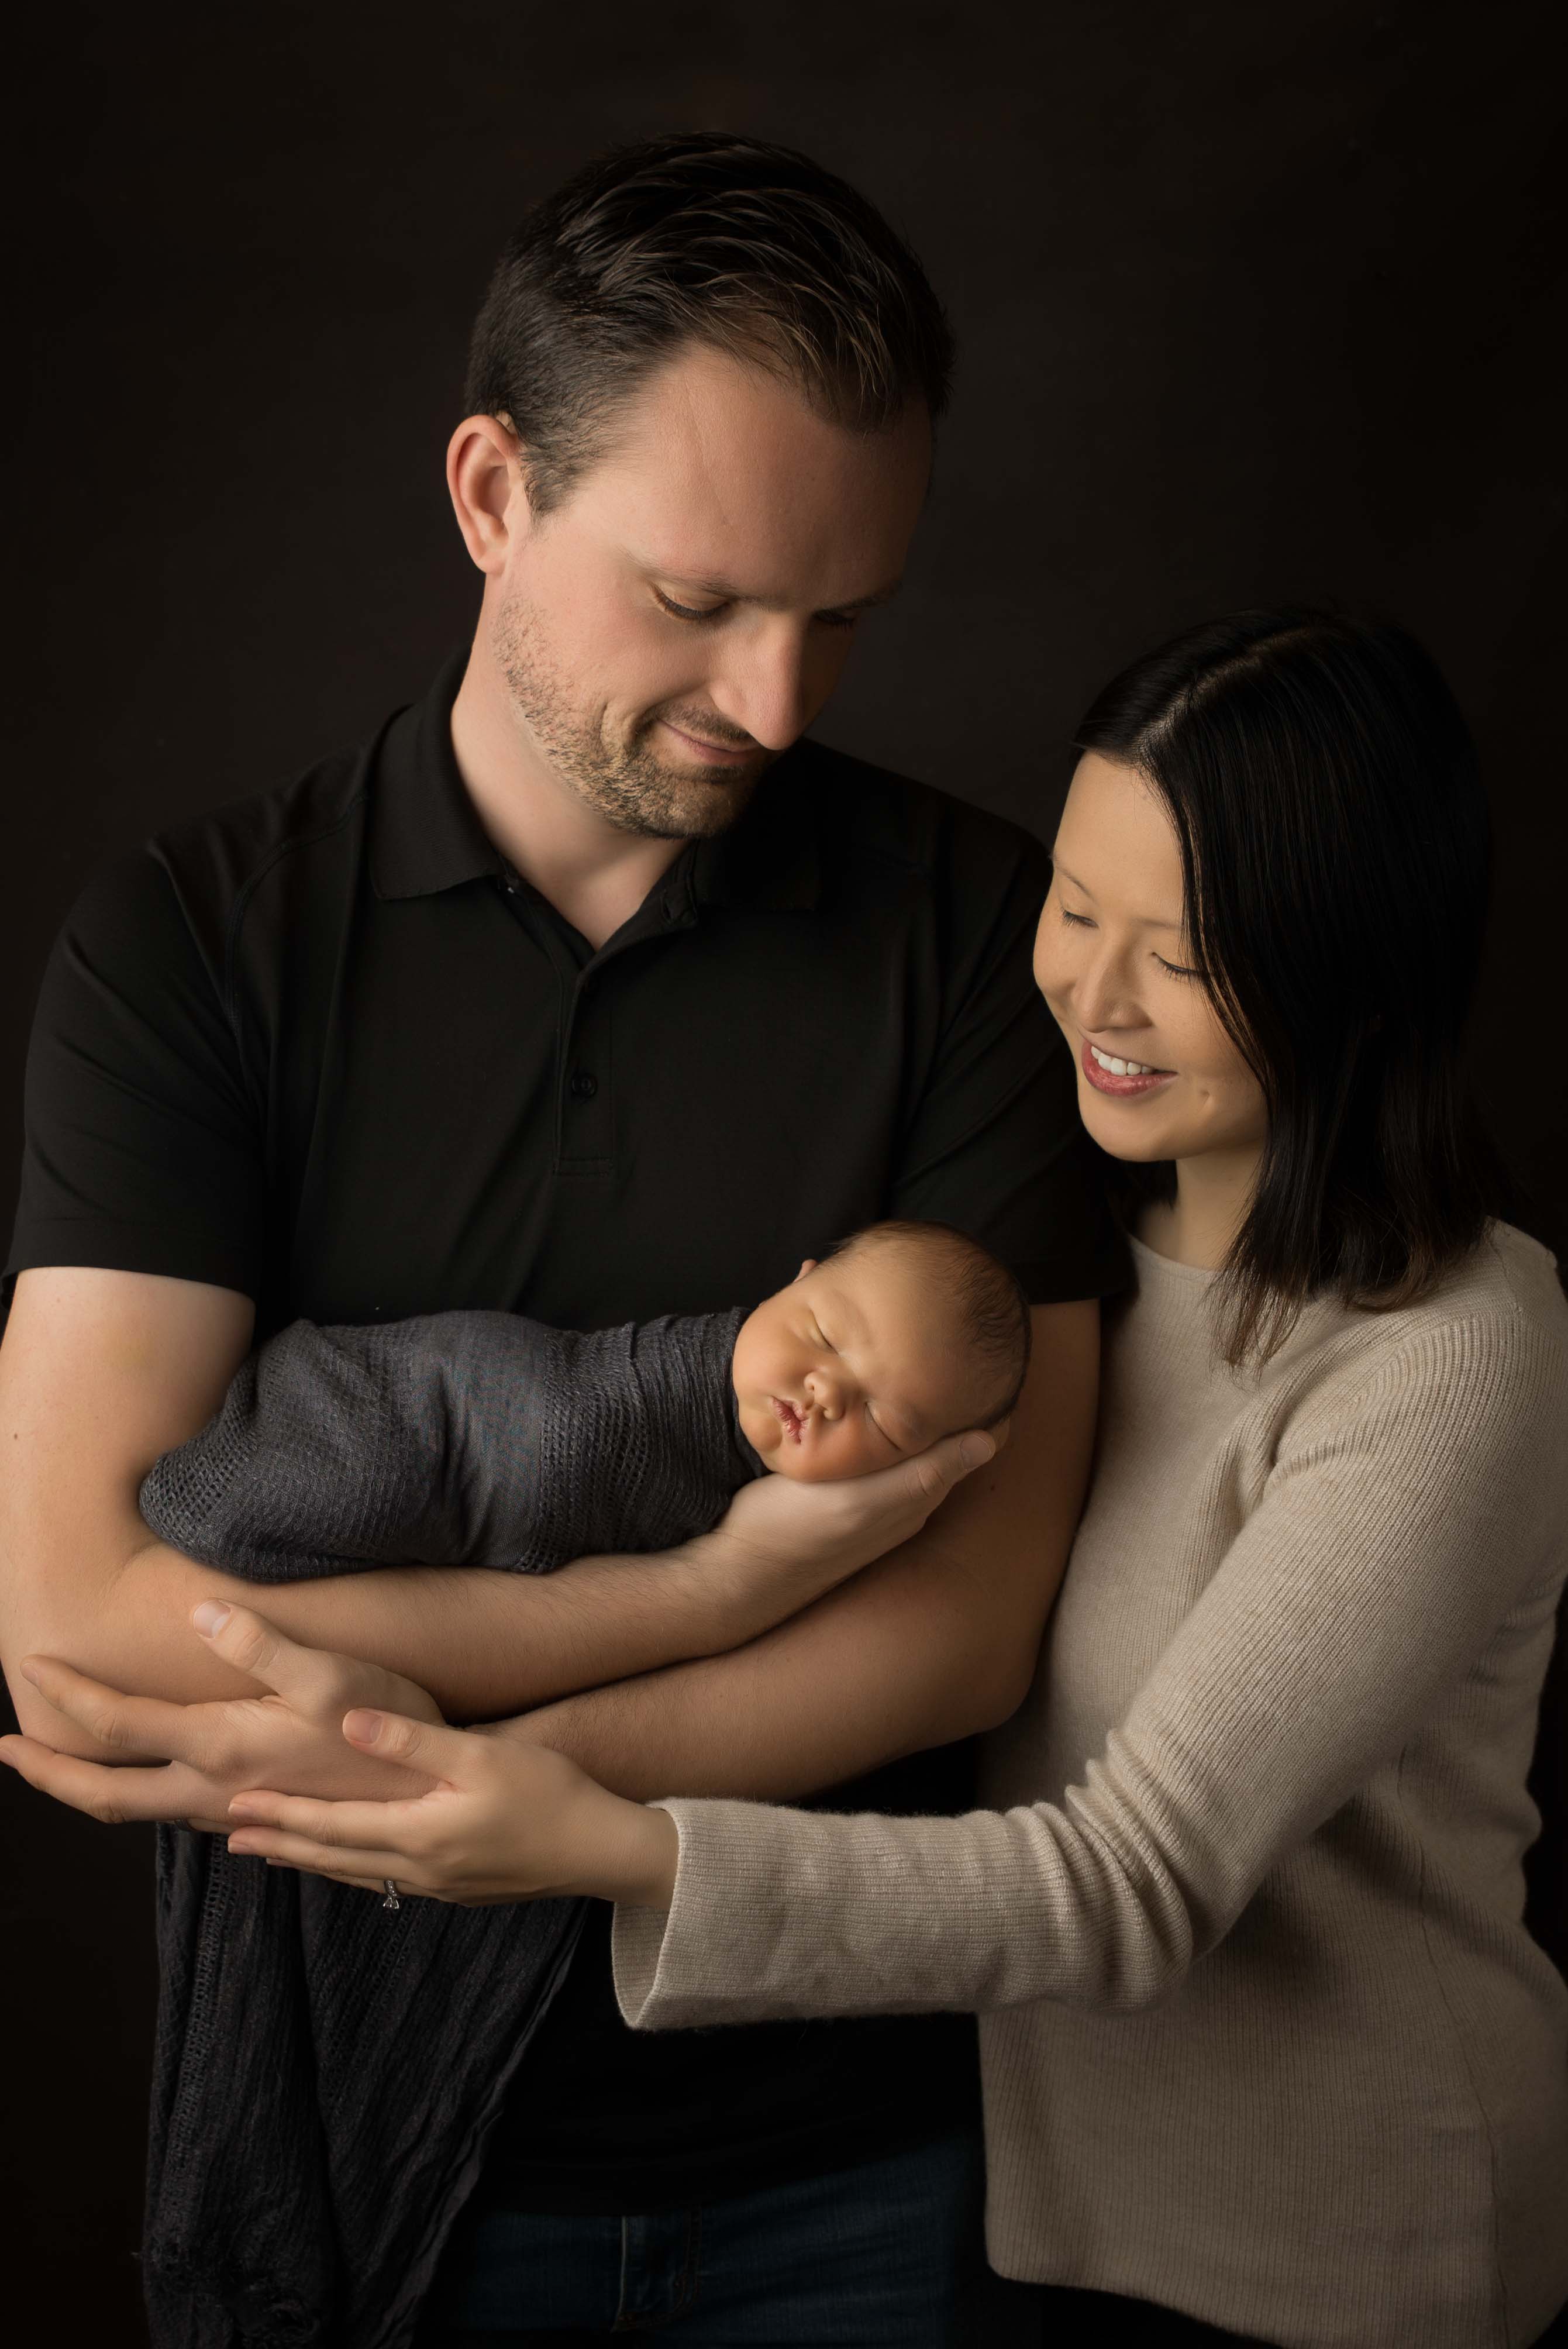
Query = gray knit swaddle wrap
x=325 y=2075
x=457 y=1439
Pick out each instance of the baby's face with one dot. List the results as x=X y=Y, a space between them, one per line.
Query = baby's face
x=856 y=1364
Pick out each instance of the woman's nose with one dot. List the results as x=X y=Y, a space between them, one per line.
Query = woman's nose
x=1100 y=995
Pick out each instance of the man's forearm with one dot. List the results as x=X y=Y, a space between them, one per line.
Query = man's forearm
x=892 y=1664
x=834 y=1692
x=483 y=1643
x=100 y=1372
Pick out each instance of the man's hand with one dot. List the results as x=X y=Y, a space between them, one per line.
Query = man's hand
x=781 y=1545
x=290 y=1741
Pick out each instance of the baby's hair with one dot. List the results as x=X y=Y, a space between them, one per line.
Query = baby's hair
x=994 y=1312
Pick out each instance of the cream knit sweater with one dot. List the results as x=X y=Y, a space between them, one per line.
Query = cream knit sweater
x=1263 y=2037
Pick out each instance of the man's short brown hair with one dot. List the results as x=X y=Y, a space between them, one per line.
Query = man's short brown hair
x=745 y=246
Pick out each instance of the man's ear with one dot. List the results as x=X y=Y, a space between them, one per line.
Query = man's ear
x=486 y=481
x=810 y=1265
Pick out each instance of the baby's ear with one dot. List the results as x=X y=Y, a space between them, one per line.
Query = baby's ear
x=810 y=1265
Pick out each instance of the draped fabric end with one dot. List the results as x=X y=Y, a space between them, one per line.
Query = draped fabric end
x=325 y=2075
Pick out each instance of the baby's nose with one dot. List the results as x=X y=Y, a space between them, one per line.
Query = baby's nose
x=823 y=1390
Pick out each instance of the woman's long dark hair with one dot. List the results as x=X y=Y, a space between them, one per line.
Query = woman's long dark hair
x=1335 y=850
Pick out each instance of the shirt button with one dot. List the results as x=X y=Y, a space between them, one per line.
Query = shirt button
x=585 y=1084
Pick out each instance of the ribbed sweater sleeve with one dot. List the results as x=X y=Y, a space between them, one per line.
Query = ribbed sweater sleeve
x=1397 y=1524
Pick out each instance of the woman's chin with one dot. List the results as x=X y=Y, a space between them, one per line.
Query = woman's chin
x=1123 y=1129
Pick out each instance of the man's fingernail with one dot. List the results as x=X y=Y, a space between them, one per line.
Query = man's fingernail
x=362 y=1725
x=211 y=1616
x=976 y=1450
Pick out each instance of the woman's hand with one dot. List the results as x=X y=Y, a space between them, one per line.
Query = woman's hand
x=503 y=1822
x=290 y=1739
x=781 y=1544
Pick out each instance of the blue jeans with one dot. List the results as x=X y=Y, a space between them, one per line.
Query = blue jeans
x=875 y=2254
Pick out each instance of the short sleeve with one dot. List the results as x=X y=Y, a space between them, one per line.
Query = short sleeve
x=995 y=1144
x=141 y=1149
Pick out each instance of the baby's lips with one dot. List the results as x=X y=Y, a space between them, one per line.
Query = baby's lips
x=790 y=1420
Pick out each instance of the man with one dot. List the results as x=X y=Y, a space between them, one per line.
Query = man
x=586 y=989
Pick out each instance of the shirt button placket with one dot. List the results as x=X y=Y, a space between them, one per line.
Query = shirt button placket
x=587 y=1136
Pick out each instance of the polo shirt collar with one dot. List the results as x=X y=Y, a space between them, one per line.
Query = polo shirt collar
x=426 y=836
x=771 y=858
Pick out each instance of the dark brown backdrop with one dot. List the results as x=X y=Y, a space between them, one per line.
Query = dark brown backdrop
x=1253 y=302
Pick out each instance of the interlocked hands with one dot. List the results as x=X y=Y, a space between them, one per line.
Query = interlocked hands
x=290 y=1738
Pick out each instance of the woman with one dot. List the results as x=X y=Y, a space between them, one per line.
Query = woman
x=1265 y=2041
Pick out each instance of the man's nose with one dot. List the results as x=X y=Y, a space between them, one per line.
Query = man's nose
x=767 y=685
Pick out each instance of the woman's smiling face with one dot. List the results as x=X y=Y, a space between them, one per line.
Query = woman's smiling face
x=1158 y=1076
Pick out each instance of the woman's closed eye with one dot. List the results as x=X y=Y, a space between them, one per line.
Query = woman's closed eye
x=1177 y=969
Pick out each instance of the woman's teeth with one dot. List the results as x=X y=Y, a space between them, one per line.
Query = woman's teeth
x=1116 y=1068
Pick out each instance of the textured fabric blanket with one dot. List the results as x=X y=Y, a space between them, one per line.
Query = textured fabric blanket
x=325 y=2072
x=458 y=1439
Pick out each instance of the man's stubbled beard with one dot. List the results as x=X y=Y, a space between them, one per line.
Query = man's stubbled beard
x=624 y=781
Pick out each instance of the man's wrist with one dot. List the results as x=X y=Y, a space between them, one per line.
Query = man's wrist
x=722 y=1611
x=671 y=1606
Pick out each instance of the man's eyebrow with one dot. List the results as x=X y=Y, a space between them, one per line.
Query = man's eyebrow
x=869 y=602
x=1148 y=921
x=724 y=591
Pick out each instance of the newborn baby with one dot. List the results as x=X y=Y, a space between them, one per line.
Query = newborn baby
x=902 y=1335
x=489 y=1439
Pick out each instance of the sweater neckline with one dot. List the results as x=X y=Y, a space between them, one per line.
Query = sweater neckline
x=1163 y=1268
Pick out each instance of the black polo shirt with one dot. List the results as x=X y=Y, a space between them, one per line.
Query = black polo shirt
x=324 y=1047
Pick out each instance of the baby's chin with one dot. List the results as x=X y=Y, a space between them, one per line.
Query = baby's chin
x=787 y=1462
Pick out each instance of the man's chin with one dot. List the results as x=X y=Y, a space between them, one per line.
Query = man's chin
x=694 y=804
x=707 y=776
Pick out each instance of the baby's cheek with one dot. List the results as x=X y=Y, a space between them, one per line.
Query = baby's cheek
x=862 y=1453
